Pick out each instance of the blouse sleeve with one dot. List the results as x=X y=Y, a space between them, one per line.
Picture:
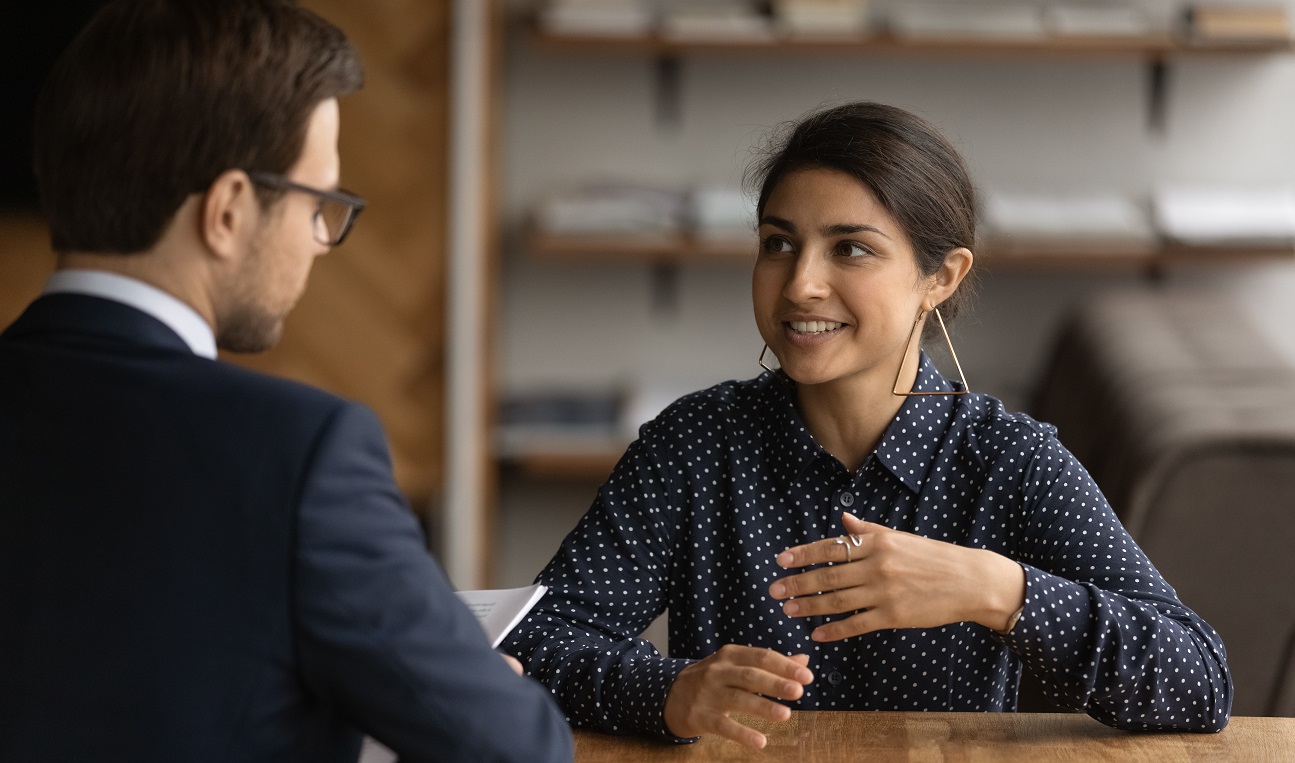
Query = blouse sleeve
x=607 y=583
x=1101 y=628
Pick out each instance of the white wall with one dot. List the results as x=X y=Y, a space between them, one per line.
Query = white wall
x=1022 y=123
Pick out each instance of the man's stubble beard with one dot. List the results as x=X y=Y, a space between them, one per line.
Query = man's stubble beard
x=248 y=326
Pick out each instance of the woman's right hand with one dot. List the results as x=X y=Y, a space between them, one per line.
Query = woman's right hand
x=729 y=681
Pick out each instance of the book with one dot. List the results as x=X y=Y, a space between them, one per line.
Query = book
x=500 y=610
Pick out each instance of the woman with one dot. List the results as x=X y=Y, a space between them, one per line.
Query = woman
x=974 y=543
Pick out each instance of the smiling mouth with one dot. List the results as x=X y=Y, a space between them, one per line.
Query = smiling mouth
x=814 y=327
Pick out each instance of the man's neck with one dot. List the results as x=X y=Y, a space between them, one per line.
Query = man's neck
x=151 y=267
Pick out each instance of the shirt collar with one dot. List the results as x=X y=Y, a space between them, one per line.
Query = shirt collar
x=179 y=317
x=790 y=445
x=907 y=448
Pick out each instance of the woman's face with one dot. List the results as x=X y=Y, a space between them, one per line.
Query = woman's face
x=836 y=286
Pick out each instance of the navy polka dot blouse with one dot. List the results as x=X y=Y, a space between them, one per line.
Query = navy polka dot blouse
x=726 y=478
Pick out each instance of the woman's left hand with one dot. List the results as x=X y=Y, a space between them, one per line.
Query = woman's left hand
x=894 y=579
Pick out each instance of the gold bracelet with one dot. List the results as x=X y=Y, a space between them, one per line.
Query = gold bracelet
x=1011 y=621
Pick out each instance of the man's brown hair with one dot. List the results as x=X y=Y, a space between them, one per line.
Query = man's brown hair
x=154 y=99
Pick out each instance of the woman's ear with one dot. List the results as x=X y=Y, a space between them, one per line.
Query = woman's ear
x=229 y=214
x=944 y=281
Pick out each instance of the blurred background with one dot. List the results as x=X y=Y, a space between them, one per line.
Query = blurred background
x=558 y=242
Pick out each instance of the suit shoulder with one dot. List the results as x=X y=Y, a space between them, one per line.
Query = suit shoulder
x=274 y=397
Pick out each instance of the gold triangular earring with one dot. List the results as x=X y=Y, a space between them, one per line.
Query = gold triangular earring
x=911 y=353
x=760 y=360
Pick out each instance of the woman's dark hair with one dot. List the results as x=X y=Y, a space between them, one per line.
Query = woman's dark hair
x=913 y=170
x=155 y=99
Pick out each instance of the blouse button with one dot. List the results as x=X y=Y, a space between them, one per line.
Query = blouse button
x=847 y=499
x=835 y=677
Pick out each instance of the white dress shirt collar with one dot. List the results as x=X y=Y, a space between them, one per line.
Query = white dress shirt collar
x=177 y=316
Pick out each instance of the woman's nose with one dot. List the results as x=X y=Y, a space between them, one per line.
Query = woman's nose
x=807 y=279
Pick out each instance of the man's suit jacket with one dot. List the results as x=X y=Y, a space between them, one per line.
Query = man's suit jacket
x=198 y=562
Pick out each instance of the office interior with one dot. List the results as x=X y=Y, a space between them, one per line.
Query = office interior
x=510 y=359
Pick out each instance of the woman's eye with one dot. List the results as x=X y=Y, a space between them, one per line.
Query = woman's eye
x=852 y=249
x=774 y=244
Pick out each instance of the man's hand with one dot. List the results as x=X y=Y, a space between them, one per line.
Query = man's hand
x=729 y=681
x=893 y=579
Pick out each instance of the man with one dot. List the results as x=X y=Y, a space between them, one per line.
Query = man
x=198 y=562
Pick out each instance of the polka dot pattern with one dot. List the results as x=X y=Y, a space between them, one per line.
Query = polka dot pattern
x=695 y=512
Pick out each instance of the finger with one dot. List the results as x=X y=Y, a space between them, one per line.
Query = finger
x=744 y=735
x=768 y=661
x=834 y=550
x=817 y=581
x=829 y=603
x=745 y=703
x=853 y=524
x=854 y=625
x=818 y=552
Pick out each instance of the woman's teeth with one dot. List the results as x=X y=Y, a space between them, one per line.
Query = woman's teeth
x=814 y=327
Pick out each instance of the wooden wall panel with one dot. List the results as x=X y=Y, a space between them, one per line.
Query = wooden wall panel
x=371 y=325
x=25 y=262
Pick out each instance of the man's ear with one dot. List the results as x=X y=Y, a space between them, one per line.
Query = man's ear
x=230 y=212
x=944 y=282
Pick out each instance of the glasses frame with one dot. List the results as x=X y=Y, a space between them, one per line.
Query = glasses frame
x=355 y=204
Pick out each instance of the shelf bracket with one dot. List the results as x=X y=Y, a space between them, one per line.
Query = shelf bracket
x=1157 y=95
x=665 y=288
x=669 y=94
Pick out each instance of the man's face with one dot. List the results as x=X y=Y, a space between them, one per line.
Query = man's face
x=273 y=273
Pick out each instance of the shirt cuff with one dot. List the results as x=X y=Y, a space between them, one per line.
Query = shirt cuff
x=644 y=690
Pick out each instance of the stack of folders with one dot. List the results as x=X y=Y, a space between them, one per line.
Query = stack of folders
x=1040 y=223
x=821 y=18
x=716 y=21
x=612 y=208
x=1238 y=23
x=559 y=420
x=721 y=215
x=1097 y=20
x=1223 y=216
x=600 y=18
x=966 y=20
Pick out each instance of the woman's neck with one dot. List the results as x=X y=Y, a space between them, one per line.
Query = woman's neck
x=848 y=416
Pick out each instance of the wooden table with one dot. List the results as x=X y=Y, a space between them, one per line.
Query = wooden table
x=824 y=737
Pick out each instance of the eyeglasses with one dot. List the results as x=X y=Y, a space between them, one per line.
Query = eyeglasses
x=337 y=209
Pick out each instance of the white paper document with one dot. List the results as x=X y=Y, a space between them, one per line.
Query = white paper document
x=500 y=611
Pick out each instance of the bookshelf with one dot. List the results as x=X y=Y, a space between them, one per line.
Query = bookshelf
x=593 y=460
x=997 y=255
x=1154 y=47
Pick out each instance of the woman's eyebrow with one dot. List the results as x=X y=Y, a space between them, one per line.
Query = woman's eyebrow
x=838 y=229
x=778 y=222
x=843 y=229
